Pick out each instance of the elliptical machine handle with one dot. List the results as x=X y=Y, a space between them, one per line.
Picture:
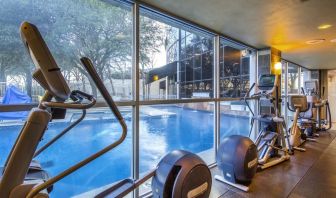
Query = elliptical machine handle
x=288 y=106
x=308 y=107
x=79 y=95
x=277 y=101
x=93 y=73
x=102 y=89
x=248 y=93
x=246 y=96
x=303 y=91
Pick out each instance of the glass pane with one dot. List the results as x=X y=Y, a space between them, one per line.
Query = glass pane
x=72 y=29
x=305 y=76
x=283 y=77
x=264 y=62
x=235 y=119
x=234 y=70
x=176 y=62
x=293 y=79
x=315 y=75
x=164 y=128
x=283 y=88
x=70 y=149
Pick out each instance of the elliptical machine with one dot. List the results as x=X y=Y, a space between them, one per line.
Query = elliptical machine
x=19 y=176
x=179 y=173
x=272 y=141
x=238 y=157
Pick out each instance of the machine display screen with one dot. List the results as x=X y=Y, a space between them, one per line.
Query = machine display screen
x=311 y=85
x=267 y=81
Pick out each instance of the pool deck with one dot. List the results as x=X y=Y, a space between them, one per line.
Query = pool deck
x=102 y=113
x=154 y=112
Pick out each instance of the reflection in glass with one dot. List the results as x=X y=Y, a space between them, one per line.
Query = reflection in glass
x=175 y=62
x=235 y=119
x=234 y=70
x=293 y=79
x=305 y=76
x=164 y=128
x=315 y=75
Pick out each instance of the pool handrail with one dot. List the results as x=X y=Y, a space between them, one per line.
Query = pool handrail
x=87 y=63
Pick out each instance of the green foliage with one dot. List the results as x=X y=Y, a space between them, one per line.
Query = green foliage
x=72 y=29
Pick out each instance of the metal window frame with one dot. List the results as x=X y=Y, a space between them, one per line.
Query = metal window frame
x=286 y=91
x=216 y=93
x=136 y=97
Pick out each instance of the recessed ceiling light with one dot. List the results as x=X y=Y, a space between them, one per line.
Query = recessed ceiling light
x=315 y=41
x=324 y=26
x=333 y=40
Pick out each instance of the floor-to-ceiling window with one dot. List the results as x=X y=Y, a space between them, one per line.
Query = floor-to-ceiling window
x=305 y=76
x=178 y=63
x=234 y=81
x=315 y=75
x=293 y=78
x=72 y=28
x=177 y=66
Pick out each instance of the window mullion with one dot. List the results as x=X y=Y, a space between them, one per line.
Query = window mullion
x=136 y=95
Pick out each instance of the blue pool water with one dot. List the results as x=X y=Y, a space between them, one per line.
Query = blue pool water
x=186 y=129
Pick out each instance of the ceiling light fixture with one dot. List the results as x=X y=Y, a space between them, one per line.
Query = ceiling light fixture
x=277 y=68
x=315 y=41
x=324 y=26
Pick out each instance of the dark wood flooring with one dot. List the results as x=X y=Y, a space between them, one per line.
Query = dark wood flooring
x=306 y=174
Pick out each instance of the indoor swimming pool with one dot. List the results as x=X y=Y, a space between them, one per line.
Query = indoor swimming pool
x=168 y=128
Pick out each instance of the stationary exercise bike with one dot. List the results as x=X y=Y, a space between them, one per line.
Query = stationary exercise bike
x=318 y=117
x=298 y=104
x=178 y=174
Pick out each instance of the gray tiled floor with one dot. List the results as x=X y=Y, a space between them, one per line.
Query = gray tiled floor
x=307 y=174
